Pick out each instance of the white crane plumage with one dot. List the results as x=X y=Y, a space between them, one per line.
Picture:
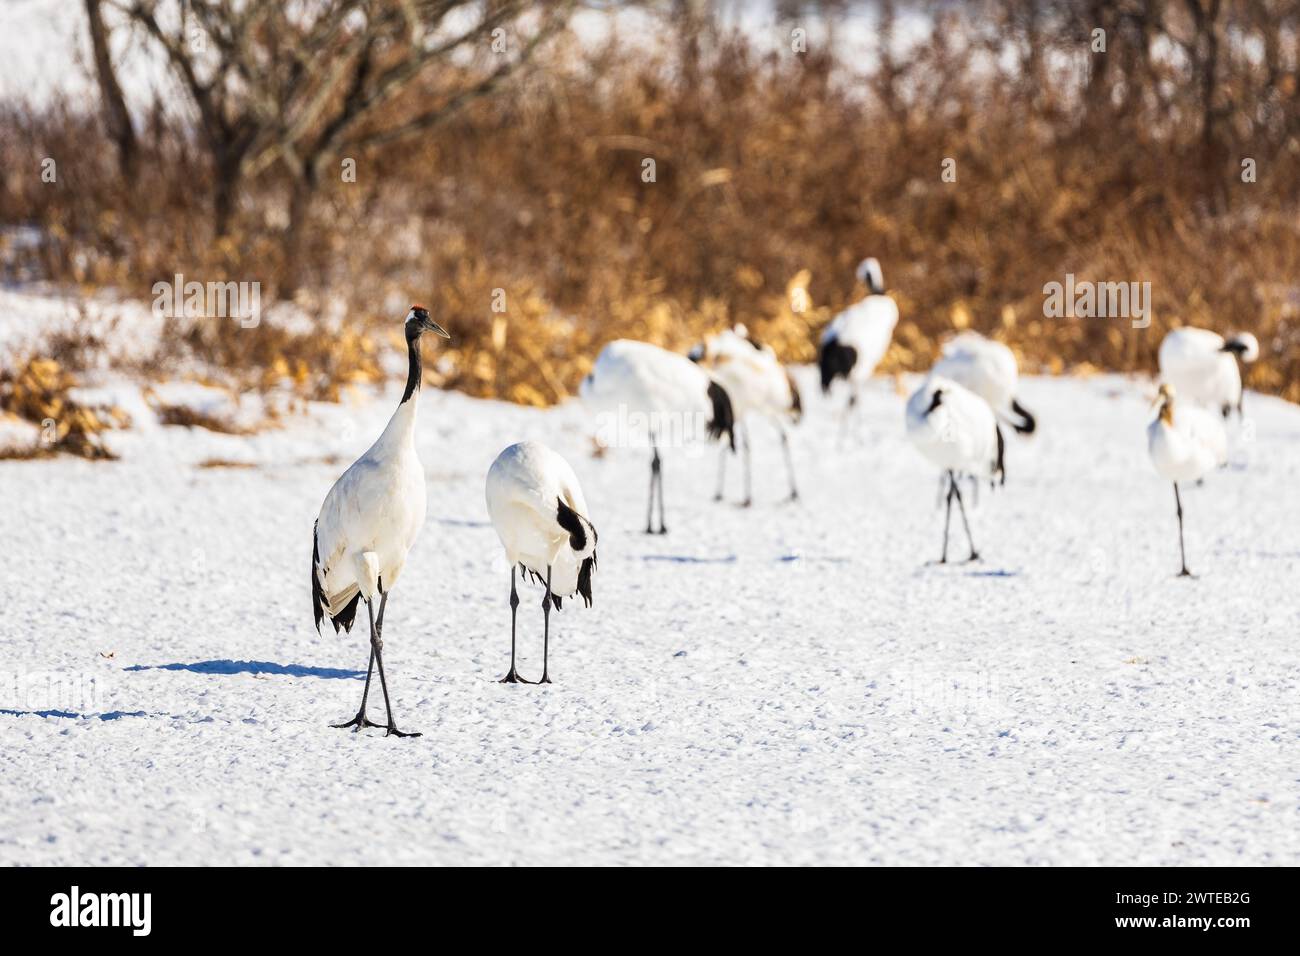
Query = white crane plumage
x=1203 y=366
x=1185 y=444
x=368 y=523
x=957 y=431
x=988 y=369
x=759 y=386
x=541 y=517
x=858 y=338
x=640 y=392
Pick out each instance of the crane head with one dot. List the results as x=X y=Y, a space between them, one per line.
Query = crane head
x=418 y=322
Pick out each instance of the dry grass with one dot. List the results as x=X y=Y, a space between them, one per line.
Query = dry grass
x=528 y=229
x=23 y=453
x=188 y=417
x=315 y=365
x=223 y=463
x=38 y=392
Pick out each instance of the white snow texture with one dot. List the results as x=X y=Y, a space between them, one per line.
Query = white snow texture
x=790 y=683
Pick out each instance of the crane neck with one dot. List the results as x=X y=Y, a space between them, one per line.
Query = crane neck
x=401 y=427
x=414 y=365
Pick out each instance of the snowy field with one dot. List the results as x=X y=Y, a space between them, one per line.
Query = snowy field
x=785 y=684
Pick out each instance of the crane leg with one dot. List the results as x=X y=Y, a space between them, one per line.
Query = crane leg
x=974 y=555
x=947 y=520
x=656 y=483
x=650 y=506
x=513 y=677
x=1182 y=553
x=789 y=463
x=546 y=626
x=361 y=720
x=377 y=644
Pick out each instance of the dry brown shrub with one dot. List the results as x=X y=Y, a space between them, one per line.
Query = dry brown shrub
x=224 y=463
x=188 y=417
x=38 y=392
x=315 y=365
x=774 y=173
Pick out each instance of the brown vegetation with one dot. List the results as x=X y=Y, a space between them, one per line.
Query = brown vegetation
x=189 y=417
x=38 y=392
x=526 y=223
x=225 y=463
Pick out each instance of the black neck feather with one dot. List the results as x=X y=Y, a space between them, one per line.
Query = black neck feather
x=413 y=372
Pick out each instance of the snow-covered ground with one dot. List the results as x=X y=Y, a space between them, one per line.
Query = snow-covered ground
x=785 y=684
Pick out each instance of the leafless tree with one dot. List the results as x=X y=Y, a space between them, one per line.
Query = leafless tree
x=297 y=84
x=117 y=119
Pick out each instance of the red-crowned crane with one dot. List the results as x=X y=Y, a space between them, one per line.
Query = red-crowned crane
x=647 y=394
x=540 y=515
x=369 y=522
x=1203 y=366
x=759 y=387
x=988 y=369
x=1185 y=443
x=956 y=430
x=858 y=338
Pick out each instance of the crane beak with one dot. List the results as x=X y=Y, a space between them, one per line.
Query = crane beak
x=428 y=325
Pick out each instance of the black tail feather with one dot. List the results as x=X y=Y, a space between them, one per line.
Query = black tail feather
x=835 y=361
x=584 y=578
x=1000 y=466
x=319 y=603
x=317 y=595
x=345 y=617
x=1236 y=347
x=569 y=520
x=724 y=419
x=1027 y=424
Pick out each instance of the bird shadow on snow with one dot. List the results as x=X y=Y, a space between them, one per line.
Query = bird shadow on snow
x=111 y=715
x=253 y=667
x=688 y=559
x=463 y=523
x=731 y=559
x=956 y=567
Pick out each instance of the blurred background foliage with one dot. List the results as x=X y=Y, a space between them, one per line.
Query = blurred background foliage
x=506 y=189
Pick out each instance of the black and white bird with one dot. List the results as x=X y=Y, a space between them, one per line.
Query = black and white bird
x=1204 y=366
x=858 y=338
x=759 y=386
x=988 y=369
x=369 y=522
x=1185 y=443
x=641 y=393
x=957 y=431
x=541 y=517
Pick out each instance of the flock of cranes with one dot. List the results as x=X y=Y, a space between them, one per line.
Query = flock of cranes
x=371 y=516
